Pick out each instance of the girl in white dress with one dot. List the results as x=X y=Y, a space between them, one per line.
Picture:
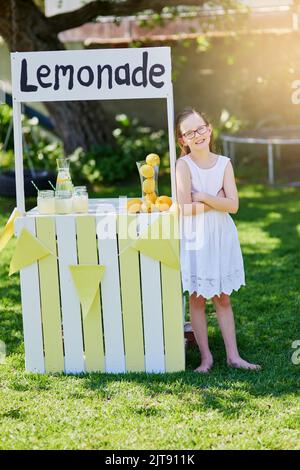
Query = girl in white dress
x=212 y=264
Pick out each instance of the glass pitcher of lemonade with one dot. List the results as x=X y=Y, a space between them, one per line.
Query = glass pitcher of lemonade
x=63 y=181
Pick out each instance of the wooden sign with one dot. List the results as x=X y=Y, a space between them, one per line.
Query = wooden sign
x=99 y=74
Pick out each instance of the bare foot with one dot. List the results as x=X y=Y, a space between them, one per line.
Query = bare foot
x=239 y=363
x=205 y=366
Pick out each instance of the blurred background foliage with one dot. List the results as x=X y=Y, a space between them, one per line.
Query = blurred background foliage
x=240 y=80
x=105 y=164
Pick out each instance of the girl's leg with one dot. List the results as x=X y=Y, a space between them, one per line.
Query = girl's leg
x=198 y=320
x=227 y=326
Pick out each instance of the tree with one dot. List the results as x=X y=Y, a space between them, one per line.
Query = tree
x=24 y=27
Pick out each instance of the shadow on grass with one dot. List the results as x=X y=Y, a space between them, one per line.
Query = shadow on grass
x=224 y=390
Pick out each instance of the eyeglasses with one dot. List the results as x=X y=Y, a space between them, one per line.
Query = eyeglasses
x=191 y=134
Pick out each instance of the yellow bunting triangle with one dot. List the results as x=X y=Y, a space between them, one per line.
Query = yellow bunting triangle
x=8 y=230
x=87 y=279
x=152 y=243
x=28 y=250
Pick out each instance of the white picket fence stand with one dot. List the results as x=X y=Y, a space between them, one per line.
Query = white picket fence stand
x=136 y=321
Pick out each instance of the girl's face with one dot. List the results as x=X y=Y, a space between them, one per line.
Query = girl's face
x=189 y=136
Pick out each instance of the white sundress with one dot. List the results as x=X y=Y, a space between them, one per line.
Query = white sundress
x=210 y=253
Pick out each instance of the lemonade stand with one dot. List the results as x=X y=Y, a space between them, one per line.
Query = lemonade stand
x=98 y=294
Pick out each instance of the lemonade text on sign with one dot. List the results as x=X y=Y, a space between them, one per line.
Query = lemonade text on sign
x=86 y=76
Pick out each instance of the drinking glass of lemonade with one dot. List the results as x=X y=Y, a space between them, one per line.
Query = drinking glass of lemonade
x=46 y=202
x=80 y=199
x=63 y=202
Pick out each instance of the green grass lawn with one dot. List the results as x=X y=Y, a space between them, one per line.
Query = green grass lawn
x=226 y=409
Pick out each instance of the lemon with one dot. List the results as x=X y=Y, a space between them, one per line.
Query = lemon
x=148 y=207
x=147 y=171
x=153 y=159
x=148 y=185
x=151 y=197
x=164 y=200
x=134 y=205
x=62 y=179
x=133 y=201
x=162 y=206
x=134 y=208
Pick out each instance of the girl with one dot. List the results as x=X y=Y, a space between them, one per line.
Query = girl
x=206 y=189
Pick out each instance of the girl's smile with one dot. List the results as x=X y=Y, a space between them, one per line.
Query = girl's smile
x=199 y=142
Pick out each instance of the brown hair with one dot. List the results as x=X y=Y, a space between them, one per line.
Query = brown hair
x=185 y=149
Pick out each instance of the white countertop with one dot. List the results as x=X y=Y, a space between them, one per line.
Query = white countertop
x=96 y=207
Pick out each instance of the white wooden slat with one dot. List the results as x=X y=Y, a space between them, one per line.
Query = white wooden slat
x=152 y=305
x=70 y=304
x=31 y=307
x=110 y=294
x=18 y=147
x=172 y=145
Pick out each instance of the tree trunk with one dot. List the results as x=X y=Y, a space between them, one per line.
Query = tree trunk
x=77 y=123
